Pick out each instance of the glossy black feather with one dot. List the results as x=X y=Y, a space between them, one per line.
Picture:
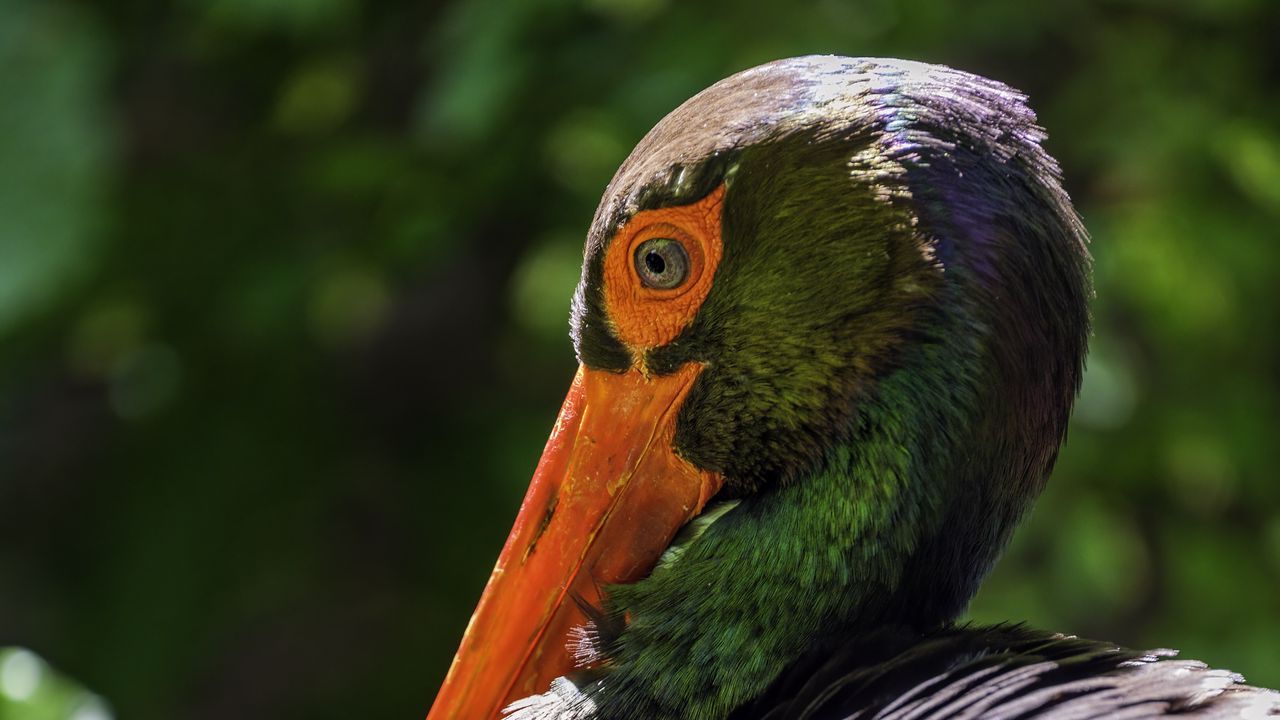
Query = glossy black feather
x=1002 y=672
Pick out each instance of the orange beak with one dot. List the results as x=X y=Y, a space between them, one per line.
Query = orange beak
x=607 y=498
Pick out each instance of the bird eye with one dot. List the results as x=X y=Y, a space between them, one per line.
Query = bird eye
x=662 y=263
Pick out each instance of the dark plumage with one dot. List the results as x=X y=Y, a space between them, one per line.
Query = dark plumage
x=1002 y=672
x=887 y=359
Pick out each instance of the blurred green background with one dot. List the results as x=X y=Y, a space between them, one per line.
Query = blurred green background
x=283 y=300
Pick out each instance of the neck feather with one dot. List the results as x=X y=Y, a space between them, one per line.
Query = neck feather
x=828 y=556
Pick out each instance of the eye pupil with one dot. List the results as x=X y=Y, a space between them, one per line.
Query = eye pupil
x=662 y=263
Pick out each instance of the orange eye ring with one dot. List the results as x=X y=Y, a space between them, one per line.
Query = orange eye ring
x=645 y=317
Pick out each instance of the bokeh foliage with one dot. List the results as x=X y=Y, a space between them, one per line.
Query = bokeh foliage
x=283 y=299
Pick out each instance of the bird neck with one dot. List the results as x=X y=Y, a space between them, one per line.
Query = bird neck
x=858 y=543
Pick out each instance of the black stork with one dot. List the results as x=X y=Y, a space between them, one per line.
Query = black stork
x=832 y=320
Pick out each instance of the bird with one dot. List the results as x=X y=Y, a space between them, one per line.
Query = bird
x=832 y=319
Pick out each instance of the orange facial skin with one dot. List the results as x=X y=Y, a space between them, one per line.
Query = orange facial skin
x=609 y=493
x=643 y=317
